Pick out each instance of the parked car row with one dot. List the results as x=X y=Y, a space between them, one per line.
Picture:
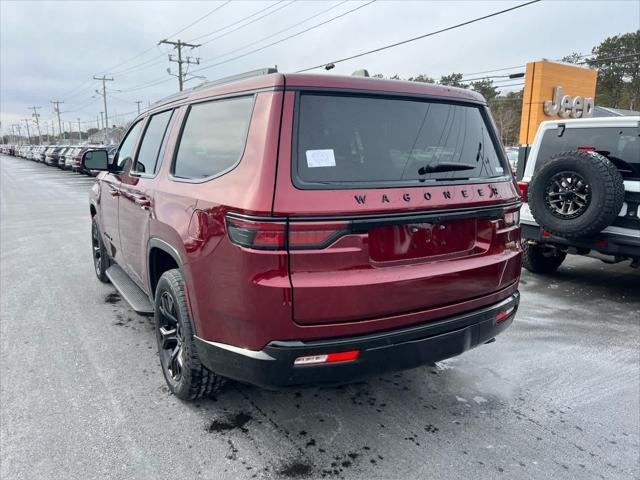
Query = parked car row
x=65 y=157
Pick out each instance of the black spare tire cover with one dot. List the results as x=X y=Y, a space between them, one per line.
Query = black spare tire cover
x=576 y=194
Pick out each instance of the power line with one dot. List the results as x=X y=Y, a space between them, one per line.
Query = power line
x=496 y=70
x=157 y=82
x=280 y=31
x=155 y=60
x=93 y=100
x=249 y=23
x=141 y=66
x=288 y=37
x=201 y=18
x=420 y=37
x=153 y=83
x=491 y=77
x=557 y=60
x=596 y=60
x=144 y=52
x=510 y=85
x=235 y=23
x=144 y=85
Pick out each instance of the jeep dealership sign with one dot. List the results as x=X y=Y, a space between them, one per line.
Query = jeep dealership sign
x=568 y=106
x=555 y=91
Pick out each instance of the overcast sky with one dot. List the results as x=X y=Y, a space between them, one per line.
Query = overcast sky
x=50 y=50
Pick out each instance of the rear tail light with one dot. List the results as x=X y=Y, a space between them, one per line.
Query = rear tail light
x=511 y=217
x=587 y=149
x=258 y=234
x=315 y=235
x=524 y=187
x=503 y=315
x=327 y=358
x=277 y=234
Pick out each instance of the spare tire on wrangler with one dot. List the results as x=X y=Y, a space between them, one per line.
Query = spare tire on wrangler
x=576 y=194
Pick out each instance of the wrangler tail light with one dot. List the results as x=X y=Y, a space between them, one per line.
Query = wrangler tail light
x=524 y=187
x=278 y=234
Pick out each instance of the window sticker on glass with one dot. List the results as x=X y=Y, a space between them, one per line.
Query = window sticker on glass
x=320 y=158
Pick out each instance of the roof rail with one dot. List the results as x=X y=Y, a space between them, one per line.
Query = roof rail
x=220 y=81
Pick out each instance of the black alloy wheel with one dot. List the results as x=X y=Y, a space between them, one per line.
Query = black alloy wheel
x=186 y=376
x=170 y=339
x=568 y=195
x=101 y=260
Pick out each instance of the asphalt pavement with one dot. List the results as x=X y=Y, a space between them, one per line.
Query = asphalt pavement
x=82 y=395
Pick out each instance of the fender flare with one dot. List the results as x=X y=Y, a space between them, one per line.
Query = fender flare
x=166 y=247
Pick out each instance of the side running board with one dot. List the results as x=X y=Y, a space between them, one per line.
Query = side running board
x=127 y=288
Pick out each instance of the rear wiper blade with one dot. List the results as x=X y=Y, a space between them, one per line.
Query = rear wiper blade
x=444 y=167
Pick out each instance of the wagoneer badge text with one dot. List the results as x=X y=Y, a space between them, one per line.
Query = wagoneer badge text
x=447 y=194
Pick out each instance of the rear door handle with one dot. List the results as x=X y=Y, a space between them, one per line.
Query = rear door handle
x=114 y=192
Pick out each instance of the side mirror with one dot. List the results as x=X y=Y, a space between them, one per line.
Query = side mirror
x=95 y=160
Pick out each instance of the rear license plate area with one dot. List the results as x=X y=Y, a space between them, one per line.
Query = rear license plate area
x=422 y=240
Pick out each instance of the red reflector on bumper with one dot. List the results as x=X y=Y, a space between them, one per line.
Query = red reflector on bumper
x=504 y=314
x=327 y=358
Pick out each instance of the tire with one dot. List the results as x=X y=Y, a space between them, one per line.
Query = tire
x=185 y=375
x=576 y=194
x=101 y=260
x=539 y=259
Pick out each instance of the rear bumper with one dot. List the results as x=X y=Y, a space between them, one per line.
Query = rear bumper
x=605 y=243
x=399 y=349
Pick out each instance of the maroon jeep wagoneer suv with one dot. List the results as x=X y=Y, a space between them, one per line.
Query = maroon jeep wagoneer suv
x=295 y=228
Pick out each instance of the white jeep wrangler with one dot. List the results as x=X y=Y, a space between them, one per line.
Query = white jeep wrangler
x=581 y=187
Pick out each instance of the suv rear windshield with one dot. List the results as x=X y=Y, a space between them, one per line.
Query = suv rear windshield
x=360 y=141
x=621 y=145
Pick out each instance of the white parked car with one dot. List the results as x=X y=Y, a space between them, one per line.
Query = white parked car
x=581 y=185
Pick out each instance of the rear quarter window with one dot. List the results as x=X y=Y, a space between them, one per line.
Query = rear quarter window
x=213 y=138
x=355 y=141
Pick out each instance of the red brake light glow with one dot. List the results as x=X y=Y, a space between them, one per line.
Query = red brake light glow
x=587 y=149
x=327 y=358
x=524 y=187
x=504 y=314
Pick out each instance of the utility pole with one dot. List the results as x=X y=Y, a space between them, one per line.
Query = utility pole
x=138 y=102
x=36 y=117
x=104 y=81
x=56 y=109
x=79 y=131
x=104 y=129
x=26 y=122
x=53 y=131
x=19 y=129
x=178 y=46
